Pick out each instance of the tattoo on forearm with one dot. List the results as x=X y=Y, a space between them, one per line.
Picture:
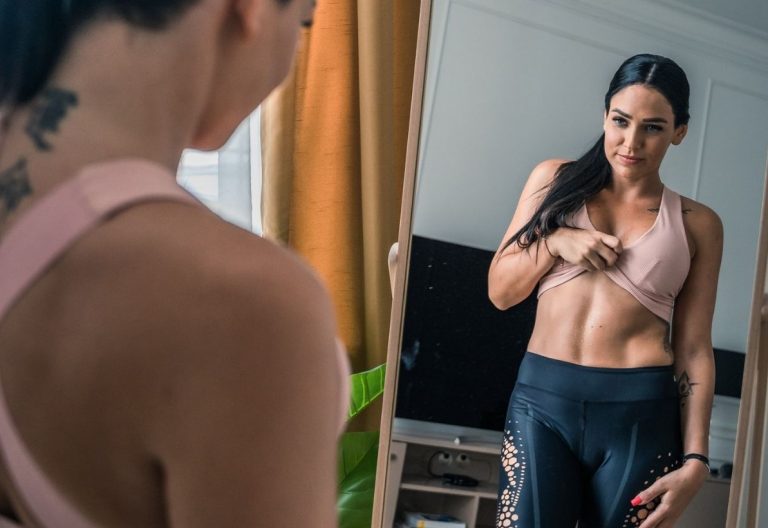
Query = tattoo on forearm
x=685 y=388
x=47 y=114
x=14 y=187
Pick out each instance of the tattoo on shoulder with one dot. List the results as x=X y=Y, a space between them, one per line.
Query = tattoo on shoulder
x=47 y=114
x=14 y=187
x=685 y=387
x=654 y=209
x=687 y=210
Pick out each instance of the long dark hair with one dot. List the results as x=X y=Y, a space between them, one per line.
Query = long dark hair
x=34 y=35
x=577 y=181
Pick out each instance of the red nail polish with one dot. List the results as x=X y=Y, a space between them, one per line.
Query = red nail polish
x=636 y=501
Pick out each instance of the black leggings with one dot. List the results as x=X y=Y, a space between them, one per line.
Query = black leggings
x=581 y=442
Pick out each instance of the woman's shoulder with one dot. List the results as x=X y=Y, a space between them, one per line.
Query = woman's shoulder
x=542 y=176
x=699 y=214
x=210 y=250
x=187 y=270
x=702 y=223
x=243 y=341
x=544 y=172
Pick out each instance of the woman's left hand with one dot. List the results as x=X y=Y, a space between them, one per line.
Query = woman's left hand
x=676 y=490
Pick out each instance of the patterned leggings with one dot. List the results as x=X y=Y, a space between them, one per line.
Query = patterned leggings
x=581 y=442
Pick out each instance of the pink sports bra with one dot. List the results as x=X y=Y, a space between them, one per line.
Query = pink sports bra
x=652 y=268
x=38 y=238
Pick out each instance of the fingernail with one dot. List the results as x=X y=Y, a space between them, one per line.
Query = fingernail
x=636 y=501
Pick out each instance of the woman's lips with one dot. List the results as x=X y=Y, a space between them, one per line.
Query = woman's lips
x=629 y=160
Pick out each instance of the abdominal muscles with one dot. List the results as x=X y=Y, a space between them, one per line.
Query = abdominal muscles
x=592 y=321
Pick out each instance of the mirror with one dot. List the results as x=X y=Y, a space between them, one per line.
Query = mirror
x=501 y=85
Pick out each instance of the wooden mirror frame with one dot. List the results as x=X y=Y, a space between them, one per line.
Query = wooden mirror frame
x=752 y=407
x=401 y=271
x=749 y=441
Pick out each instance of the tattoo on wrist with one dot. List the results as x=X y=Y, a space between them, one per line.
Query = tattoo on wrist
x=48 y=113
x=14 y=187
x=685 y=388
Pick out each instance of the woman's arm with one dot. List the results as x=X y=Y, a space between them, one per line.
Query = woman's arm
x=692 y=334
x=515 y=272
x=694 y=365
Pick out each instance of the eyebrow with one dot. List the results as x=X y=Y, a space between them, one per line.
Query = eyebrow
x=649 y=120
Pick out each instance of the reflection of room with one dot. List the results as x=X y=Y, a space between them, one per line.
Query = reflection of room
x=458 y=356
x=508 y=84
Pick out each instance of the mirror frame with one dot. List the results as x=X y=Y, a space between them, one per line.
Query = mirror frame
x=401 y=271
x=749 y=441
x=752 y=407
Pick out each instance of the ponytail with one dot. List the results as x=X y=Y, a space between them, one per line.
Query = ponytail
x=575 y=182
x=33 y=36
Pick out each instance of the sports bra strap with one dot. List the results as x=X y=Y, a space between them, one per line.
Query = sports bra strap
x=66 y=213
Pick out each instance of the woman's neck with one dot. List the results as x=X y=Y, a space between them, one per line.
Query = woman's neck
x=112 y=97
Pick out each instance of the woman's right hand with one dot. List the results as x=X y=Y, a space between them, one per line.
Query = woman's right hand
x=589 y=249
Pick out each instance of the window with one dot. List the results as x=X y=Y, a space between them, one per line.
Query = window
x=229 y=180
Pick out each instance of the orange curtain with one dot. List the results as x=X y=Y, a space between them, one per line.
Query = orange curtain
x=333 y=149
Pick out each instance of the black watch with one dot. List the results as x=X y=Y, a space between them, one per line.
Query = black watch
x=697 y=456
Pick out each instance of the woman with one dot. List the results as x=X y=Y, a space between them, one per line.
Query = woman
x=608 y=422
x=160 y=367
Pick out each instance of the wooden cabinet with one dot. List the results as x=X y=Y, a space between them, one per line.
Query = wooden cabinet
x=415 y=465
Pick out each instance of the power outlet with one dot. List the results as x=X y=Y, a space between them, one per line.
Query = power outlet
x=440 y=462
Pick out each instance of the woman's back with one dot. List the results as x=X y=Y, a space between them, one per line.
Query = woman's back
x=140 y=370
x=169 y=369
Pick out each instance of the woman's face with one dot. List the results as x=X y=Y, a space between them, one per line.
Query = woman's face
x=260 y=44
x=639 y=127
x=284 y=22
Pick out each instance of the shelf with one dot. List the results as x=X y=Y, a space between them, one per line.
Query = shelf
x=446 y=443
x=435 y=485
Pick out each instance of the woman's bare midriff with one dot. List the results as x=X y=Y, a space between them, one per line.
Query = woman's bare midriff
x=592 y=321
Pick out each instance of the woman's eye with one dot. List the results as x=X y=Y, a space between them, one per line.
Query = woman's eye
x=654 y=128
x=619 y=121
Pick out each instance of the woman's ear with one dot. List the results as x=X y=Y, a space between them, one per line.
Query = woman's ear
x=680 y=133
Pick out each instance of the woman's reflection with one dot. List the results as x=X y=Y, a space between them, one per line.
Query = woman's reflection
x=608 y=421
